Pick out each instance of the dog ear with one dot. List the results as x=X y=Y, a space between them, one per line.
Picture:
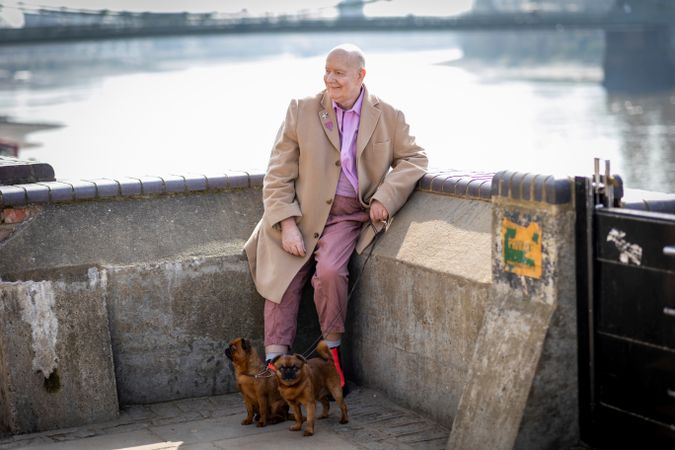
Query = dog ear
x=301 y=358
x=228 y=352
x=245 y=345
x=275 y=358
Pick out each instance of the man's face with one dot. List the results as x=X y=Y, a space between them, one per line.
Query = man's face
x=343 y=78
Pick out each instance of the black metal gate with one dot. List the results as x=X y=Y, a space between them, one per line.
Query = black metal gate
x=626 y=313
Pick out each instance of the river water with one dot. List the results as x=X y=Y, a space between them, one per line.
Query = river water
x=206 y=104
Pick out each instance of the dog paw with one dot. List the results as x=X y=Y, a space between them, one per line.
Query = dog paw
x=308 y=433
x=323 y=416
x=246 y=422
x=343 y=421
x=260 y=424
x=295 y=427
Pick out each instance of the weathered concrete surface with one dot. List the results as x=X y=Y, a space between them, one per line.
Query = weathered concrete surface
x=417 y=311
x=375 y=422
x=521 y=391
x=132 y=230
x=170 y=322
x=56 y=367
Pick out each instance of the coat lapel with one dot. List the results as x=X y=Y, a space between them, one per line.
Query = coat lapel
x=329 y=122
x=369 y=117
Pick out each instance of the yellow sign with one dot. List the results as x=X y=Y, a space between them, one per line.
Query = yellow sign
x=522 y=248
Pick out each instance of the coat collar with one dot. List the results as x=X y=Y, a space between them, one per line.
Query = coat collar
x=369 y=117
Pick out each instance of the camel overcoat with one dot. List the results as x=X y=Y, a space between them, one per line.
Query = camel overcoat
x=302 y=177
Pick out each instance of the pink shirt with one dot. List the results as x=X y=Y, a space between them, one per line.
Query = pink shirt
x=348 y=127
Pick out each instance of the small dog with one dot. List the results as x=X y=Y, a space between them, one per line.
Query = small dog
x=257 y=385
x=303 y=382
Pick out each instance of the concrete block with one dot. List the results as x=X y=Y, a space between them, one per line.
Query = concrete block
x=56 y=367
x=106 y=187
x=473 y=190
x=170 y=323
x=216 y=181
x=151 y=185
x=12 y=196
x=237 y=180
x=82 y=190
x=498 y=382
x=424 y=183
x=174 y=183
x=130 y=186
x=449 y=185
x=195 y=182
x=437 y=182
x=256 y=179
x=486 y=190
x=35 y=193
x=59 y=191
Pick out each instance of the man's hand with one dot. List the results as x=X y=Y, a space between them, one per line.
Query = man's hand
x=291 y=237
x=378 y=213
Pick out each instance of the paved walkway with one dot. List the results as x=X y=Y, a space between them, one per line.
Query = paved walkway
x=214 y=423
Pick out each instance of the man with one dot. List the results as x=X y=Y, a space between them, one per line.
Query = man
x=327 y=190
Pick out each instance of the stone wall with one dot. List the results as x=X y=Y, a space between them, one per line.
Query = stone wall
x=438 y=321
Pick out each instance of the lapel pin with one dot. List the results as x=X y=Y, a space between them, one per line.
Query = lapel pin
x=329 y=125
x=324 y=115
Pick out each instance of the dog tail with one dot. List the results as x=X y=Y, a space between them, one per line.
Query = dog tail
x=324 y=352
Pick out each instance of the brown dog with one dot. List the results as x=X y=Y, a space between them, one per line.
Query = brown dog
x=303 y=382
x=258 y=386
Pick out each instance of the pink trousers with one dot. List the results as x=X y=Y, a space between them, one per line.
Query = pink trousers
x=330 y=279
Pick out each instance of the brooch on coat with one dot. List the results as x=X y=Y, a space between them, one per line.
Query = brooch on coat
x=327 y=123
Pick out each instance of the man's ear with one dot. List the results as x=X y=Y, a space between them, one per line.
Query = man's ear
x=362 y=73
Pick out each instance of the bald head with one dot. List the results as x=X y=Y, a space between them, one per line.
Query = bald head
x=353 y=54
x=345 y=70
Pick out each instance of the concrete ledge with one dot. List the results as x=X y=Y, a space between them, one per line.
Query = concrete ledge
x=105 y=188
x=464 y=184
x=13 y=171
x=532 y=187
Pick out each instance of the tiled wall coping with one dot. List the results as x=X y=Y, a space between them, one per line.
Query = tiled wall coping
x=457 y=183
x=464 y=184
x=532 y=187
x=106 y=188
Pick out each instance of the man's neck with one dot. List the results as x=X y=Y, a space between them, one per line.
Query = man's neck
x=350 y=105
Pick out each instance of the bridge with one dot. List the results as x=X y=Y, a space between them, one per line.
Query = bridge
x=639 y=51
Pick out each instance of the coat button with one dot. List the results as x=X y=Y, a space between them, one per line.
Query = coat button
x=338 y=163
x=316 y=235
x=329 y=201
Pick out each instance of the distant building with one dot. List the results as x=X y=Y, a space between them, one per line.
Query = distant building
x=350 y=9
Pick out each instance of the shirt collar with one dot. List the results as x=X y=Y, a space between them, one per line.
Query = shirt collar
x=356 y=107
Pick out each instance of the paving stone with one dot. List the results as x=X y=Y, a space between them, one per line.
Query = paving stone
x=183 y=417
x=136 y=412
x=165 y=409
x=30 y=442
x=288 y=440
x=133 y=439
x=375 y=423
